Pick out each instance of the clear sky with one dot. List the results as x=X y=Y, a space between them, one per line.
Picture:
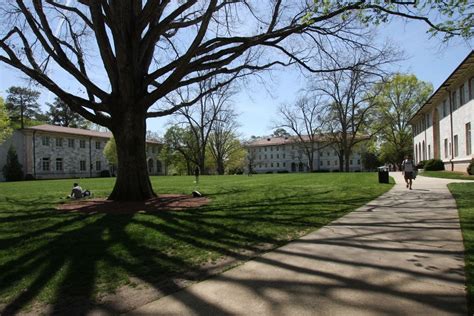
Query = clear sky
x=429 y=59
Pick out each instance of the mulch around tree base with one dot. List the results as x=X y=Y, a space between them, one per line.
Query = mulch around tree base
x=164 y=202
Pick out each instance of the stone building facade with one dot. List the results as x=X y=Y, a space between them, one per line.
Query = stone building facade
x=49 y=152
x=285 y=154
x=442 y=128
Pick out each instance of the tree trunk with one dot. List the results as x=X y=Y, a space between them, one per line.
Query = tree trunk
x=220 y=166
x=133 y=182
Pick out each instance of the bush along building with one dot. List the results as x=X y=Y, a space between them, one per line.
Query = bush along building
x=53 y=152
x=442 y=128
x=287 y=154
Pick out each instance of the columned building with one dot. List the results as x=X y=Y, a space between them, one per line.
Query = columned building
x=286 y=154
x=49 y=152
x=442 y=128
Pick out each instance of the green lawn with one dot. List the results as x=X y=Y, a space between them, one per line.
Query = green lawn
x=447 y=175
x=464 y=195
x=51 y=256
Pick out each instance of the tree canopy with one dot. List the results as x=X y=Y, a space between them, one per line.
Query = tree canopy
x=61 y=114
x=5 y=129
x=399 y=99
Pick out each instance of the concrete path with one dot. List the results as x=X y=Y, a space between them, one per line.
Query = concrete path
x=401 y=254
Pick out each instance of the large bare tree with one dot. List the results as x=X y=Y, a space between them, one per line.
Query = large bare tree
x=211 y=111
x=223 y=141
x=130 y=55
x=350 y=95
x=304 y=119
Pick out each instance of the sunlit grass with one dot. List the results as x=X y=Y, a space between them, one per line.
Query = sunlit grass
x=464 y=195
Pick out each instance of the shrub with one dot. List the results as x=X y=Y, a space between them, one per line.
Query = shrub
x=470 y=168
x=282 y=171
x=320 y=170
x=268 y=172
x=434 y=165
x=29 y=177
x=12 y=171
x=421 y=164
x=105 y=174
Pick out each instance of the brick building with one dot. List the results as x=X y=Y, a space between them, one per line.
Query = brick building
x=49 y=152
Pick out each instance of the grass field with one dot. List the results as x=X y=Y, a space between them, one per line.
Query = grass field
x=447 y=175
x=58 y=257
x=464 y=195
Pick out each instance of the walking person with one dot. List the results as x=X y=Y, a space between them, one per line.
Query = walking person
x=408 y=170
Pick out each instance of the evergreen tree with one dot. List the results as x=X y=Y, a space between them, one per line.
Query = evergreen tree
x=60 y=114
x=22 y=104
x=12 y=171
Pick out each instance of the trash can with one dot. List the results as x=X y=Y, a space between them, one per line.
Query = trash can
x=383 y=174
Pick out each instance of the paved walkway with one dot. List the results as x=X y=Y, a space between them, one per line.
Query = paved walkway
x=401 y=254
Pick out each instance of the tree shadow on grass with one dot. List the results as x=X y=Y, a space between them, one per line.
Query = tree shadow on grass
x=66 y=262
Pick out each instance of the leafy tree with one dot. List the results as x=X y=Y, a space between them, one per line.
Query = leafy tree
x=5 y=130
x=22 y=104
x=151 y=51
x=399 y=99
x=180 y=148
x=110 y=152
x=280 y=132
x=12 y=171
x=61 y=114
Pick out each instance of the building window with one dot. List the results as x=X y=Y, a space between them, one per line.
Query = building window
x=445 y=148
x=320 y=162
x=278 y=164
x=97 y=165
x=456 y=147
x=284 y=156
x=82 y=143
x=97 y=145
x=445 y=108
x=468 y=139
x=59 y=164
x=153 y=150
x=265 y=156
x=45 y=164
x=350 y=162
x=429 y=151
x=454 y=100
x=271 y=156
x=328 y=163
x=82 y=165
x=329 y=154
x=45 y=140
x=278 y=156
x=59 y=142
x=259 y=157
x=358 y=161
x=70 y=143
x=462 y=97
x=284 y=164
x=471 y=88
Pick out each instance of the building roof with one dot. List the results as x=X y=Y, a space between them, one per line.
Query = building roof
x=75 y=131
x=276 y=141
x=438 y=96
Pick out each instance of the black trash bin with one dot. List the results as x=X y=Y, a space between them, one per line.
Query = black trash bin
x=383 y=175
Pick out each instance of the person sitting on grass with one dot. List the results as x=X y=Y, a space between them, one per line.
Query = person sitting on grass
x=77 y=192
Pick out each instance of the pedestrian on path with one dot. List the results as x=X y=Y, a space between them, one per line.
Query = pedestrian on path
x=408 y=170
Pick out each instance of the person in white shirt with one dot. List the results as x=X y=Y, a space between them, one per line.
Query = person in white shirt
x=408 y=169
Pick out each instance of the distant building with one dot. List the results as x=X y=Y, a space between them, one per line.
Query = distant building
x=49 y=152
x=442 y=128
x=285 y=154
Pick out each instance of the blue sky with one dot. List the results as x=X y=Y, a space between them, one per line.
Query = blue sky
x=429 y=59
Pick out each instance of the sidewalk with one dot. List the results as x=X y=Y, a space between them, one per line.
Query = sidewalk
x=401 y=254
